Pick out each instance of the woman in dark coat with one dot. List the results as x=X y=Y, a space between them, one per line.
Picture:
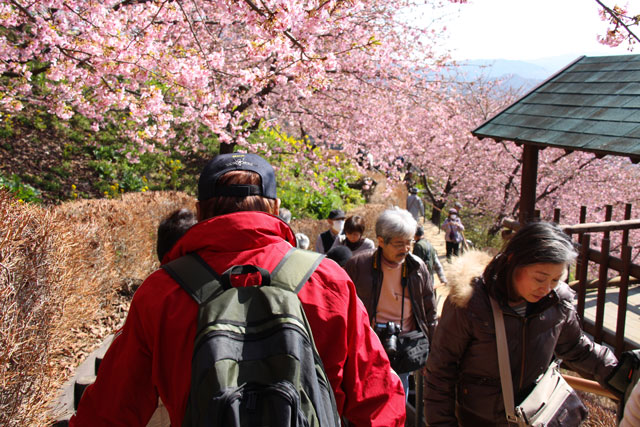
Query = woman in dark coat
x=463 y=379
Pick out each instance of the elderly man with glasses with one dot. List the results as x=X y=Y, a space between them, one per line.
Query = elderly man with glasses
x=395 y=285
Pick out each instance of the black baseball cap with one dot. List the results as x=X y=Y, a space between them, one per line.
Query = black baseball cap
x=223 y=163
x=337 y=214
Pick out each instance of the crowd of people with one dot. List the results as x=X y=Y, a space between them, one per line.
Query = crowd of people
x=370 y=307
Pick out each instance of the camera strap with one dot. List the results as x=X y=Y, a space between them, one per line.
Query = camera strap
x=404 y=286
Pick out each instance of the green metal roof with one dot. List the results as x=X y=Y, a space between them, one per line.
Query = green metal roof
x=591 y=105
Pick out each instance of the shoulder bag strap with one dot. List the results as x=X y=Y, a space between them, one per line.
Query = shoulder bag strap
x=295 y=269
x=503 y=361
x=195 y=276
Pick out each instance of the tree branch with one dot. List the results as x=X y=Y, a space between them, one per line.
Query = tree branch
x=615 y=16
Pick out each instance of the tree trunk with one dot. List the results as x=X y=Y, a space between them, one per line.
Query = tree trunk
x=227 y=148
x=436 y=215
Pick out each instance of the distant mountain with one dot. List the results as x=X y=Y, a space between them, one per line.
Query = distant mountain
x=496 y=68
x=518 y=74
x=555 y=63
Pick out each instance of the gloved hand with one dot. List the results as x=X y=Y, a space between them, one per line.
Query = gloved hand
x=621 y=378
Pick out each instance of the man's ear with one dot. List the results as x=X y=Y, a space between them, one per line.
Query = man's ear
x=276 y=208
x=380 y=241
x=198 y=212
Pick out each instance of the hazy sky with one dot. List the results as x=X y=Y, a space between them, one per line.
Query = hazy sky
x=528 y=29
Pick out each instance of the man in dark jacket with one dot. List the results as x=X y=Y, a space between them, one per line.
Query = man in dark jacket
x=324 y=241
x=394 y=285
x=150 y=356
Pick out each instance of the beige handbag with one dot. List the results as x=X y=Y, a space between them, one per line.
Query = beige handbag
x=552 y=402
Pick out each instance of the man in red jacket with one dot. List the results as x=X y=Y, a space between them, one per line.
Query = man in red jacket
x=150 y=356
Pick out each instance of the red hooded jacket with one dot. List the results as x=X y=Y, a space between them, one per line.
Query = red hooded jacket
x=151 y=356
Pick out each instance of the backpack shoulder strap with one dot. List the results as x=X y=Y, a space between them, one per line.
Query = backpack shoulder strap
x=295 y=268
x=195 y=276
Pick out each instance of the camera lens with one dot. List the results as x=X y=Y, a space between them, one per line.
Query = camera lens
x=391 y=345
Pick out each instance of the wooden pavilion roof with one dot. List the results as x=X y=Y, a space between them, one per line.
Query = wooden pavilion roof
x=591 y=105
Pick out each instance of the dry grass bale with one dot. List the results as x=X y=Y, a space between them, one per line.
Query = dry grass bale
x=31 y=303
x=60 y=270
x=115 y=250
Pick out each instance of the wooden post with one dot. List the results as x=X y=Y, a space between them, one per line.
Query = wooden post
x=581 y=274
x=583 y=219
x=528 y=183
x=622 y=299
x=602 y=289
x=556 y=215
x=608 y=214
x=603 y=278
x=625 y=233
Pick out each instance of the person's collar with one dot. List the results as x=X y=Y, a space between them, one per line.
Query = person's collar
x=234 y=232
x=389 y=264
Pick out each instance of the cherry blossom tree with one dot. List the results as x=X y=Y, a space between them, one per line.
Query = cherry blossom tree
x=205 y=67
x=351 y=73
x=435 y=138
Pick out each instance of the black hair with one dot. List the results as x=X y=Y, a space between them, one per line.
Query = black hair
x=172 y=228
x=354 y=224
x=534 y=243
x=340 y=254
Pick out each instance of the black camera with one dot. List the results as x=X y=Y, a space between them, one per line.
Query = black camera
x=388 y=334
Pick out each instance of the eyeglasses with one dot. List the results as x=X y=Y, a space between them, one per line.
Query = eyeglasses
x=402 y=245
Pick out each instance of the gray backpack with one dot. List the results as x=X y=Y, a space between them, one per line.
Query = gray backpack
x=254 y=360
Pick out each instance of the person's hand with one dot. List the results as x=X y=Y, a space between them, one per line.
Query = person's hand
x=620 y=377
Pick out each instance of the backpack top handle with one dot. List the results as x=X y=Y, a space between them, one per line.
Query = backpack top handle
x=237 y=270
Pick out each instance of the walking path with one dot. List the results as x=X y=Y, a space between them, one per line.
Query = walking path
x=436 y=237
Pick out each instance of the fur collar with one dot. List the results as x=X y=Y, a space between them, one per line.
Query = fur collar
x=460 y=273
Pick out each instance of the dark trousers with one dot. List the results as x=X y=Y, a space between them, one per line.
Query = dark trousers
x=452 y=249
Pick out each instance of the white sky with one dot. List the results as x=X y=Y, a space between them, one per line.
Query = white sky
x=529 y=29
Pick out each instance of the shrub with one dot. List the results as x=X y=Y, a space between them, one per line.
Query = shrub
x=19 y=189
x=322 y=189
